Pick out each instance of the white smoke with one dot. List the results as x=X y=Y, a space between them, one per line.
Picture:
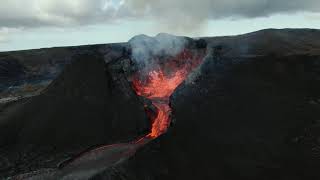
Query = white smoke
x=145 y=48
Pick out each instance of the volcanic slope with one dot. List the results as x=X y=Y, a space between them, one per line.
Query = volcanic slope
x=86 y=106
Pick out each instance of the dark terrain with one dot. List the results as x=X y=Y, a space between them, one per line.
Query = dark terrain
x=253 y=111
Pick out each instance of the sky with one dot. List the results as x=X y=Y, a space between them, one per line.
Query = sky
x=36 y=24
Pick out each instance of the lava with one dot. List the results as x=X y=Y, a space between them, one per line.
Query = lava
x=162 y=121
x=160 y=83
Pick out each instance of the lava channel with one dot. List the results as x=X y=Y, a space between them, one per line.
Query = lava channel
x=160 y=83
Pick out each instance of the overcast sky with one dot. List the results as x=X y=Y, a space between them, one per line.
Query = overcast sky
x=28 y=24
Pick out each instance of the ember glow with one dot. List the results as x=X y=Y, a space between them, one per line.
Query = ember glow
x=160 y=83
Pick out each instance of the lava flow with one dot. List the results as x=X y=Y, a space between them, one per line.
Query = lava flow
x=160 y=83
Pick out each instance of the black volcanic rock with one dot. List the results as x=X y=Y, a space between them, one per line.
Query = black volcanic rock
x=10 y=70
x=37 y=68
x=25 y=66
x=87 y=105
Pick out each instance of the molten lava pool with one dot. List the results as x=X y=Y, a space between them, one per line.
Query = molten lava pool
x=160 y=83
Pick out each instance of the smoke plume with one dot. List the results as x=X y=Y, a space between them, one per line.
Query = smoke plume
x=146 y=50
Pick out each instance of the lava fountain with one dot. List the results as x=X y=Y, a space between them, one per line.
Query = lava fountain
x=159 y=84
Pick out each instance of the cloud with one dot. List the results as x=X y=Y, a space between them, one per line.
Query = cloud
x=186 y=14
x=181 y=15
x=313 y=16
x=205 y=9
x=5 y=34
x=37 y=13
x=3 y=37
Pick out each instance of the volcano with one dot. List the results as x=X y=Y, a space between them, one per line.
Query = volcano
x=168 y=107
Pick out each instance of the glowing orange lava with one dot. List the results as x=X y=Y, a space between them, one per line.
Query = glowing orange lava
x=159 y=84
x=162 y=121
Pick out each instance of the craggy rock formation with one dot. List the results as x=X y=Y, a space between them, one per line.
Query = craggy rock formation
x=250 y=111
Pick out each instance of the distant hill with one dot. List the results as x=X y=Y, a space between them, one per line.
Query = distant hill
x=271 y=42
